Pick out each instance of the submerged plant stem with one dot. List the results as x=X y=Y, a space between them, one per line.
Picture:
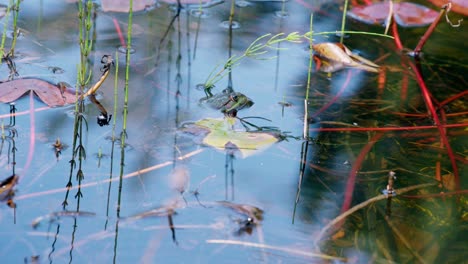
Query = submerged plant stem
x=123 y=135
x=443 y=135
x=281 y=249
x=364 y=204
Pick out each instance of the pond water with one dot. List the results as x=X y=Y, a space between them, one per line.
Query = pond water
x=236 y=206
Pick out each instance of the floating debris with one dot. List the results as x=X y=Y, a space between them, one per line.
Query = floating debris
x=56 y=215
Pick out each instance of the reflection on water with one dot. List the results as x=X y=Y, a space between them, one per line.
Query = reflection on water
x=159 y=196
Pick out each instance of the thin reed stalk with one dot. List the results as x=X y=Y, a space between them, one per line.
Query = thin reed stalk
x=305 y=133
x=123 y=135
x=15 y=28
x=5 y=27
x=343 y=21
x=84 y=75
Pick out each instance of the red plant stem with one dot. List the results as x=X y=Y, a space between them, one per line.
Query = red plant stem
x=427 y=95
x=458 y=114
x=119 y=32
x=435 y=195
x=453 y=98
x=425 y=115
x=368 y=129
x=428 y=32
x=432 y=134
x=404 y=87
x=409 y=115
x=348 y=194
x=396 y=36
x=427 y=98
x=337 y=95
x=32 y=136
x=381 y=80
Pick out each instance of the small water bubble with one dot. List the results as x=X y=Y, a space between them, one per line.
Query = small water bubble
x=281 y=14
x=71 y=113
x=200 y=87
x=123 y=49
x=200 y=13
x=234 y=24
x=242 y=3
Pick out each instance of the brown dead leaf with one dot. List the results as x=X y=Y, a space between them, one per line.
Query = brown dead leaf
x=6 y=187
x=335 y=56
x=49 y=93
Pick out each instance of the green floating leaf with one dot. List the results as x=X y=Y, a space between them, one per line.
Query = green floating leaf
x=220 y=135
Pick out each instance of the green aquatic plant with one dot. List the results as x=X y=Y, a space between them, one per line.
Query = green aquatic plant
x=5 y=26
x=7 y=57
x=84 y=76
x=343 y=20
x=256 y=50
x=15 y=28
x=260 y=47
x=123 y=135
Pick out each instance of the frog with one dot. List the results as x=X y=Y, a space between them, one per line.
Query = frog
x=228 y=101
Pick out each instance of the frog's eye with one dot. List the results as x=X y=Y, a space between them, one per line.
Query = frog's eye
x=234 y=98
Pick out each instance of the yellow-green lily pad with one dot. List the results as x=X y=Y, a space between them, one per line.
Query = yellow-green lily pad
x=219 y=134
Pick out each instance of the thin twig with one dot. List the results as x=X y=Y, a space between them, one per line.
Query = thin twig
x=283 y=249
x=357 y=207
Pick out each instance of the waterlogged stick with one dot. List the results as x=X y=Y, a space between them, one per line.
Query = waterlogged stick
x=108 y=62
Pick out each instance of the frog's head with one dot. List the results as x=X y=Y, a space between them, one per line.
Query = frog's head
x=236 y=102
